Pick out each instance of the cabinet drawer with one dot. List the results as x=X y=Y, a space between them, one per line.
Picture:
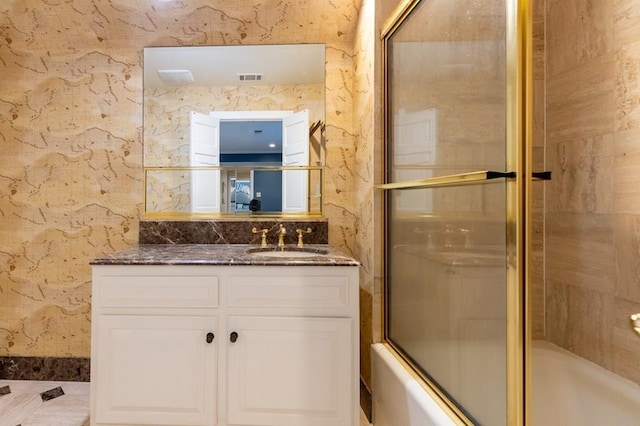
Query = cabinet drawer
x=308 y=292
x=157 y=291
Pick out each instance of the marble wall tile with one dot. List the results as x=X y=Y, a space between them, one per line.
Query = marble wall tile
x=627 y=257
x=536 y=275
x=71 y=132
x=582 y=175
x=578 y=31
x=626 y=179
x=582 y=102
x=627 y=51
x=579 y=250
x=538 y=42
x=591 y=224
x=625 y=343
x=578 y=320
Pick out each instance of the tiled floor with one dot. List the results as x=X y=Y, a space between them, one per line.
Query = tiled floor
x=23 y=403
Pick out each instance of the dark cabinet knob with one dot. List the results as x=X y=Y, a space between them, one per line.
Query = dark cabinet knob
x=210 y=337
x=233 y=337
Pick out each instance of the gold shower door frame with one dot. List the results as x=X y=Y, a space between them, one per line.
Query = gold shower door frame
x=518 y=43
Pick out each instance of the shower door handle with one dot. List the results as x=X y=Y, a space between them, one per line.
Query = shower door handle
x=541 y=175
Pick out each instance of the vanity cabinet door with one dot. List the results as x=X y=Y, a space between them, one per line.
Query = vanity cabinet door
x=156 y=370
x=289 y=371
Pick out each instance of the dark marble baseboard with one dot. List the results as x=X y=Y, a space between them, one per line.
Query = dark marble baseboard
x=45 y=368
x=366 y=400
x=229 y=231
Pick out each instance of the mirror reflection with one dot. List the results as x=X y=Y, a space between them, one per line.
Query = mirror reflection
x=233 y=129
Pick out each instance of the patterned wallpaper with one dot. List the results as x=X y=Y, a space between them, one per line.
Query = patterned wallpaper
x=166 y=112
x=166 y=129
x=71 y=133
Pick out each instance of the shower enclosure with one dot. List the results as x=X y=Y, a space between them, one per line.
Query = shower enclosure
x=510 y=297
x=456 y=196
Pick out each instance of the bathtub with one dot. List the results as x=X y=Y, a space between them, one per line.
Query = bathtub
x=567 y=390
x=398 y=399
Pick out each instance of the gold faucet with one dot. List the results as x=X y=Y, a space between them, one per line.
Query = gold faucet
x=264 y=235
x=300 y=232
x=281 y=234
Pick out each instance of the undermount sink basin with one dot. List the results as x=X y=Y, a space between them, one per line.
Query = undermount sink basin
x=286 y=252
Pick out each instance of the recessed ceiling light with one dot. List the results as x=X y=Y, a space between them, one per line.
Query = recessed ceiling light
x=176 y=76
x=272 y=145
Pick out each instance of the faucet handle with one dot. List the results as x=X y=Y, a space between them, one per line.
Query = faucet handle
x=282 y=231
x=300 y=232
x=255 y=230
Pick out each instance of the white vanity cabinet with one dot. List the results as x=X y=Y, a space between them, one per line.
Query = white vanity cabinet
x=153 y=346
x=225 y=345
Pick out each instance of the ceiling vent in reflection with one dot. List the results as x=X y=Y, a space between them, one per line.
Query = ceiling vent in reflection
x=250 y=76
x=176 y=76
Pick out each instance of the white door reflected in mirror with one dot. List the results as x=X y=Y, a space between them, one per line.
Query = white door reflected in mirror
x=204 y=151
x=295 y=152
x=207 y=189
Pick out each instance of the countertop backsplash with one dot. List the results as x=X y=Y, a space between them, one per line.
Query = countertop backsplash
x=230 y=231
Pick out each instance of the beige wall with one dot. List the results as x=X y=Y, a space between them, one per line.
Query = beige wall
x=364 y=107
x=592 y=211
x=71 y=134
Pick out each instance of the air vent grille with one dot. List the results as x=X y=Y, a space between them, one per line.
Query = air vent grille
x=250 y=76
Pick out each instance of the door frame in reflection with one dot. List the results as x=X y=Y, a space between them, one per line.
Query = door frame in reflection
x=295 y=127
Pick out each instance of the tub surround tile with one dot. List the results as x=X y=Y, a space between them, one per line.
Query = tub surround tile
x=625 y=341
x=580 y=250
x=578 y=320
x=626 y=179
x=582 y=102
x=229 y=232
x=577 y=32
x=592 y=227
x=627 y=262
x=627 y=43
x=582 y=175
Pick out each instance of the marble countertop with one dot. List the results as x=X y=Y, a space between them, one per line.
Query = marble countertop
x=222 y=254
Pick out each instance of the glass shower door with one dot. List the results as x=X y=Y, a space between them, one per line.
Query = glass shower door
x=454 y=246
